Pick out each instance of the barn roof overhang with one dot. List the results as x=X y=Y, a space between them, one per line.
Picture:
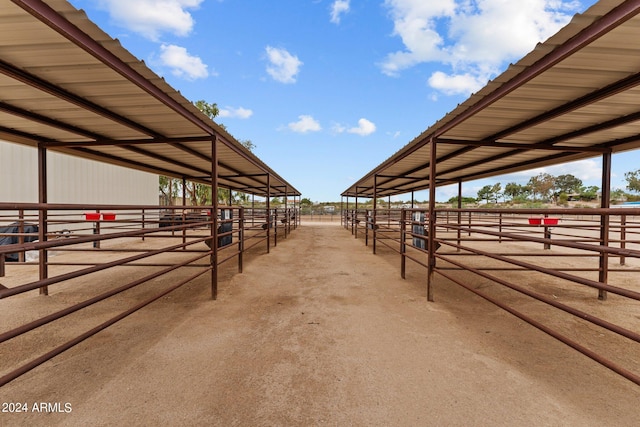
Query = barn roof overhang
x=573 y=97
x=67 y=86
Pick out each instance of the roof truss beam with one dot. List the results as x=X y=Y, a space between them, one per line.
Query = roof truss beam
x=54 y=20
x=595 y=96
x=44 y=86
x=524 y=147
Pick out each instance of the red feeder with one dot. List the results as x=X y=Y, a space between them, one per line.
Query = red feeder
x=551 y=221
x=92 y=216
x=535 y=221
x=109 y=216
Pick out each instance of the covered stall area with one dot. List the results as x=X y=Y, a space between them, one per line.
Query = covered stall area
x=68 y=87
x=573 y=97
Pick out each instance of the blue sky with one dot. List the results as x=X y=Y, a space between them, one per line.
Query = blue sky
x=329 y=89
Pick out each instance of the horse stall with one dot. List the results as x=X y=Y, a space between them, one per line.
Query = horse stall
x=81 y=251
x=560 y=103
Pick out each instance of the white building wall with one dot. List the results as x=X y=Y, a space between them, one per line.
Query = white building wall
x=71 y=179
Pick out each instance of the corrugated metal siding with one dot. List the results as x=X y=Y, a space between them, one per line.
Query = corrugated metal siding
x=72 y=179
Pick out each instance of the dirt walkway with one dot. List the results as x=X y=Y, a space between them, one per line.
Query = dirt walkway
x=322 y=332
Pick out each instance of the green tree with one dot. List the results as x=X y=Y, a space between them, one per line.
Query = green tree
x=241 y=198
x=589 y=193
x=563 y=199
x=516 y=191
x=199 y=194
x=168 y=188
x=211 y=110
x=618 y=195
x=246 y=143
x=485 y=193
x=542 y=184
x=633 y=181
x=496 y=191
x=454 y=200
x=490 y=192
x=568 y=184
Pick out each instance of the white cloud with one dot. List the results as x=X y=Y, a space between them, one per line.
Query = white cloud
x=283 y=66
x=586 y=170
x=471 y=38
x=305 y=124
x=339 y=8
x=364 y=128
x=337 y=128
x=235 y=113
x=460 y=84
x=153 y=17
x=182 y=64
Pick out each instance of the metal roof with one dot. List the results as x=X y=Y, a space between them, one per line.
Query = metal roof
x=573 y=97
x=66 y=84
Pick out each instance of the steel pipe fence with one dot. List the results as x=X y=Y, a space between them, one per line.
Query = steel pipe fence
x=559 y=258
x=67 y=242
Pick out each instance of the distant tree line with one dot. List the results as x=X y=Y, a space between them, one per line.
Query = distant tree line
x=547 y=188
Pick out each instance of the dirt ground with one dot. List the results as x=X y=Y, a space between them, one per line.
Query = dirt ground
x=318 y=332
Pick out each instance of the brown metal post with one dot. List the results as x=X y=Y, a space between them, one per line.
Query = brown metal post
x=375 y=203
x=294 y=210
x=388 y=211
x=275 y=227
x=459 y=214
x=96 y=231
x=604 y=222
x=352 y=220
x=299 y=212
x=355 y=214
x=42 y=216
x=366 y=227
x=432 y=217
x=240 y=237
x=403 y=239
x=21 y=231
x=623 y=236
x=345 y=214
x=214 y=218
x=547 y=233
x=143 y=223
x=268 y=207
x=286 y=213
x=184 y=218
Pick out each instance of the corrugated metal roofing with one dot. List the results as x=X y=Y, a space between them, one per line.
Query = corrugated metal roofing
x=573 y=97
x=66 y=84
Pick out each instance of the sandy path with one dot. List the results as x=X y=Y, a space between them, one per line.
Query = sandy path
x=322 y=332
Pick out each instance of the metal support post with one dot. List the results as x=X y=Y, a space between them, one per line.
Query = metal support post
x=214 y=218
